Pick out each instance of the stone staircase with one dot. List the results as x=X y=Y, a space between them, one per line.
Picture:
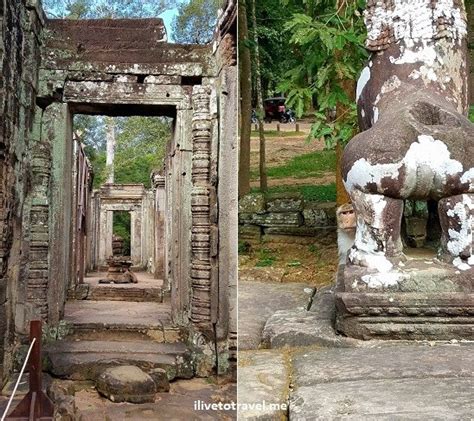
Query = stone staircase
x=117 y=332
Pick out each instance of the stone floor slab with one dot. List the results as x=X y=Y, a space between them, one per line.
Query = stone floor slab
x=263 y=379
x=395 y=399
x=387 y=362
x=177 y=405
x=117 y=313
x=393 y=382
x=259 y=300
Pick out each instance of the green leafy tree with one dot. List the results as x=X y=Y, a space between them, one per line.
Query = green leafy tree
x=276 y=55
x=332 y=39
x=195 y=21
x=141 y=146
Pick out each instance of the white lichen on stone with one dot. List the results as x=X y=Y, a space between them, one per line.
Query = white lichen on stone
x=461 y=239
x=382 y=280
x=416 y=20
x=460 y=264
x=376 y=115
x=427 y=165
x=362 y=81
x=468 y=177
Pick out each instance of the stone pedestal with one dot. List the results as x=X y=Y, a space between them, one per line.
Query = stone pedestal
x=422 y=298
x=119 y=271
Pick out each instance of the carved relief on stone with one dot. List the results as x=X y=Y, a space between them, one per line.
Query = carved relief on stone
x=38 y=279
x=200 y=208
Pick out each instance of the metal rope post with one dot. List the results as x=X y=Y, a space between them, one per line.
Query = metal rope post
x=35 y=405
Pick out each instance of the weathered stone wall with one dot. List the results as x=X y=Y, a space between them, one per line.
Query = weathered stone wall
x=116 y=67
x=227 y=185
x=276 y=216
x=21 y=24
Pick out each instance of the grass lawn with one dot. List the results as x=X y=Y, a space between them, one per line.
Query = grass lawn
x=303 y=166
x=324 y=193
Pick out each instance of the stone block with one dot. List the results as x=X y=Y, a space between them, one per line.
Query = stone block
x=62 y=392
x=320 y=215
x=262 y=377
x=250 y=232
x=287 y=203
x=279 y=219
x=252 y=203
x=126 y=383
x=299 y=327
x=160 y=377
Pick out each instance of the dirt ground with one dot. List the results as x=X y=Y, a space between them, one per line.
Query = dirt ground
x=302 y=260
x=280 y=149
x=314 y=263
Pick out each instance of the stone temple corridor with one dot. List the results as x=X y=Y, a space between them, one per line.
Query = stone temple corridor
x=176 y=319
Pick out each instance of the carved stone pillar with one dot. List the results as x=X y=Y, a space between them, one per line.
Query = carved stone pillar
x=203 y=193
x=160 y=234
x=105 y=235
x=135 y=237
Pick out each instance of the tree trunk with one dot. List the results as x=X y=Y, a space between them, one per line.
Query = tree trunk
x=349 y=88
x=260 y=109
x=109 y=164
x=470 y=31
x=245 y=103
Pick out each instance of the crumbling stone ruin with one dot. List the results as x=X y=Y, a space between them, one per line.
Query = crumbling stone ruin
x=53 y=69
x=417 y=144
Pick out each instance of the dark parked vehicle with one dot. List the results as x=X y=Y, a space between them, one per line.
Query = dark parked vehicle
x=275 y=109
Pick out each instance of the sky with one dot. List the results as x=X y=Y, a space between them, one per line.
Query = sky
x=168 y=17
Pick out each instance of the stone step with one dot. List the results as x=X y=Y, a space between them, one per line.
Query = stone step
x=121 y=320
x=111 y=292
x=86 y=360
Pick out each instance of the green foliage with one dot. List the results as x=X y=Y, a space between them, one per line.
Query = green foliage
x=275 y=55
x=140 y=148
x=307 y=165
x=330 y=46
x=471 y=113
x=322 y=193
x=122 y=228
x=265 y=258
x=195 y=21
x=244 y=247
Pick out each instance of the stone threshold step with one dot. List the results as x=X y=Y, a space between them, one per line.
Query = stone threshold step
x=86 y=360
x=121 y=320
x=116 y=313
x=110 y=292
